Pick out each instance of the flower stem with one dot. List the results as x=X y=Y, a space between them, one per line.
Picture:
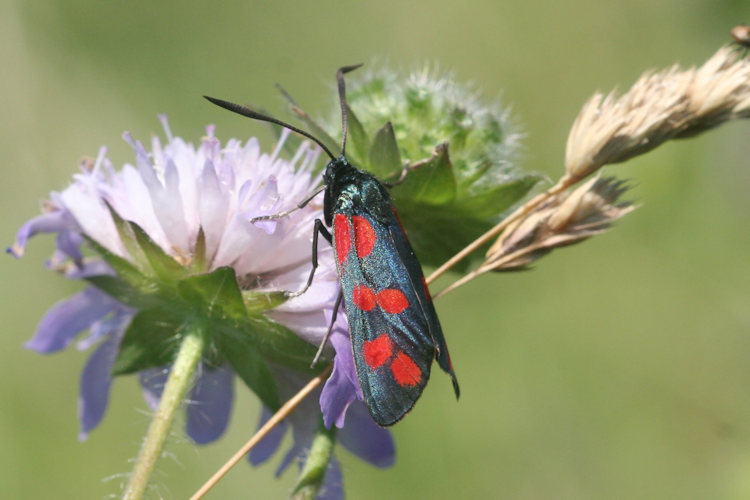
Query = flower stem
x=497 y=265
x=180 y=378
x=316 y=465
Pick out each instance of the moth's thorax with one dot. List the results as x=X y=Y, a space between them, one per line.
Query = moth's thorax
x=349 y=190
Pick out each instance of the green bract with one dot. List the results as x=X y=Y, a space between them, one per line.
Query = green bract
x=460 y=153
x=169 y=297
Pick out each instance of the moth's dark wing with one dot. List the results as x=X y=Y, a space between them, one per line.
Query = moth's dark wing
x=391 y=319
x=392 y=369
x=418 y=283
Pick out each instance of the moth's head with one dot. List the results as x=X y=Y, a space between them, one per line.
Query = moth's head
x=335 y=165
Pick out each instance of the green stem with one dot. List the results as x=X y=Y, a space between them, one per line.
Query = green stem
x=316 y=465
x=180 y=378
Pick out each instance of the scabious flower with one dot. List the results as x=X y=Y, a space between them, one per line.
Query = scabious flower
x=428 y=107
x=166 y=232
x=461 y=151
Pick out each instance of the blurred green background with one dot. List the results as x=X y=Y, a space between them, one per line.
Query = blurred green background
x=619 y=368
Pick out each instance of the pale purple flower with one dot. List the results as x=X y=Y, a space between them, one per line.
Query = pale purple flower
x=172 y=192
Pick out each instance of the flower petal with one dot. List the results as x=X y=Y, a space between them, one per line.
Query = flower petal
x=168 y=204
x=323 y=290
x=166 y=198
x=363 y=437
x=95 y=382
x=332 y=487
x=69 y=243
x=84 y=202
x=61 y=324
x=269 y=444
x=336 y=397
x=92 y=267
x=213 y=207
x=342 y=387
x=210 y=404
x=132 y=201
x=239 y=237
x=52 y=222
x=113 y=324
x=309 y=326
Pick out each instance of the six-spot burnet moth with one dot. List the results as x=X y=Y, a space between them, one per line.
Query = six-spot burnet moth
x=395 y=331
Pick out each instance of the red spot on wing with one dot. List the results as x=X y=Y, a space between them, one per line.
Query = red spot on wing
x=363 y=297
x=364 y=236
x=342 y=238
x=392 y=301
x=405 y=370
x=378 y=351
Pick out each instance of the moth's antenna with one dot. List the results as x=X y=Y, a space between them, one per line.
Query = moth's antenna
x=342 y=98
x=245 y=111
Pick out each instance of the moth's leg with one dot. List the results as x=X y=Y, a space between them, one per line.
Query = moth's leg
x=320 y=228
x=301 y=204
x=330 y=329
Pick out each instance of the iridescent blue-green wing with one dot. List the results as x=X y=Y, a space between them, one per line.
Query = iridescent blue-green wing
x=392 y=321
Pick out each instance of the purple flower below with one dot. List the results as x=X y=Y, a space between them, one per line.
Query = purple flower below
x=361 y=436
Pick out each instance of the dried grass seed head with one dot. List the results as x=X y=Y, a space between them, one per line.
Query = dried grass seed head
x=565 y=219
x=672 y=103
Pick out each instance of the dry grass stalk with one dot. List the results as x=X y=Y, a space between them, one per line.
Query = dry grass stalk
x=564 y=219
x=660 y=106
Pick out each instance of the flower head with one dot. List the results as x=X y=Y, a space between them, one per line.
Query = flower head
x=173 y=242
x=429 y=107
x=460 y=152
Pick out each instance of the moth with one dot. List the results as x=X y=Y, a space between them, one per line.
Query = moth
x=395 y=331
